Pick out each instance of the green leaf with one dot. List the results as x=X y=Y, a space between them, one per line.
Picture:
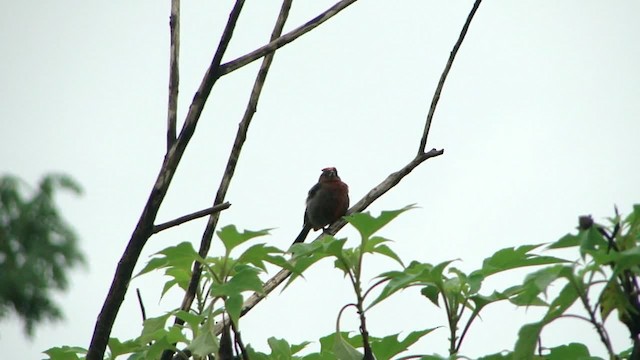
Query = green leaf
x=180 y=277
x=527 y=341
x=153 y=328
x=65 y=352
x=245 y=279
x=193 y=320
x=180 y=256
x=256 y=355
x=280 y=349
x=205 y=343
x=573 y=351
x=389 y=346
x=295 y=348
x=415 y=273
x=231 y=237
x=613 y=298
x=431 y=292
x=117 y=348
x=305 y=255
x=233 y=304
x=344 y=350
x=512 y=258
x=529 y=334
x=258 y=254
x=367 y=225
x=591 y=241
x=536 y=283
x=504 y=355
x=480 y=301
x=566 y=241
x=386 y=251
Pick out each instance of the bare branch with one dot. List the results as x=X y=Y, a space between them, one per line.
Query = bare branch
x=189 y=217
x=234 y=156
x=392 y=180
x=443 y=77
x=283 y=40
x=144 y=227
x=174 y=75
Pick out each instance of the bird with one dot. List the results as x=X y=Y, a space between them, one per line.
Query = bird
x=327 y=201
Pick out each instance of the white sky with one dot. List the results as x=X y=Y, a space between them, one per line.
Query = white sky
x=538 y=119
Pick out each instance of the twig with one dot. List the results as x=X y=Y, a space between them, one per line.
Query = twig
x=379 y=190
x=279 y=42
x=234 y=156
x=144 y=227
x=144 y=314
x=443 y=77
x=189 y=217
x=174 y=74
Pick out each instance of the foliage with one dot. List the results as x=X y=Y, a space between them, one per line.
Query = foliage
x=37 y=247
x=601 y=280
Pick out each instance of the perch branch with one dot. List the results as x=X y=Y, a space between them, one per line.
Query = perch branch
x=443 y=77
x=144 y=227
x=379 y=190
x=189 y=217
x=174 y=74
x=283 y=40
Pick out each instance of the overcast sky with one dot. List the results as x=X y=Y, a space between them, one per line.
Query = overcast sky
x=539 y=121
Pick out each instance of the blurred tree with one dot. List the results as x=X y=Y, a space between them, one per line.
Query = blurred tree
x=37 y=247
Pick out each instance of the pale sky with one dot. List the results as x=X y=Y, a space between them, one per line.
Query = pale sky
x=538 y=120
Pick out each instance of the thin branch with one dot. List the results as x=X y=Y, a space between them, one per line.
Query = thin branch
x=602 y=332
x=443 y=77
x=174 y=74
x=387 y=184
x=144 y=313
x=466 y=328
x=234 y=156
x=379 y=282
x=283 y=40
x=342 y=309
x=189 y=217
x=144 y=227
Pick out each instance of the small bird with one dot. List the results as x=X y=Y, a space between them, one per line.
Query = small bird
x=328 y=200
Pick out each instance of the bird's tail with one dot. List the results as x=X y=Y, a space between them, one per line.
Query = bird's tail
x=303 y=234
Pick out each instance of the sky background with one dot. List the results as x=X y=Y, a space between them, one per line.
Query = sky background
x=538 y=120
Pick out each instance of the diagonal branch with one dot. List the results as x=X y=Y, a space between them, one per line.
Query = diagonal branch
x=234 y=156
x=174 y=75
x=283 y=40
x=144 y=227
x=241 y=136
x=189 y=217
x=387 y=184
x=443 y=77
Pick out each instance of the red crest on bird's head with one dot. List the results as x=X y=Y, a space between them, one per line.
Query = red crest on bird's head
x=329 y=173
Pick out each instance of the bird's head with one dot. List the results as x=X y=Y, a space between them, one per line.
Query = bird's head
x=329 y=174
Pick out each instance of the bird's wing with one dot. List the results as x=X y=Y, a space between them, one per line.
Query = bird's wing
x=313 y=191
